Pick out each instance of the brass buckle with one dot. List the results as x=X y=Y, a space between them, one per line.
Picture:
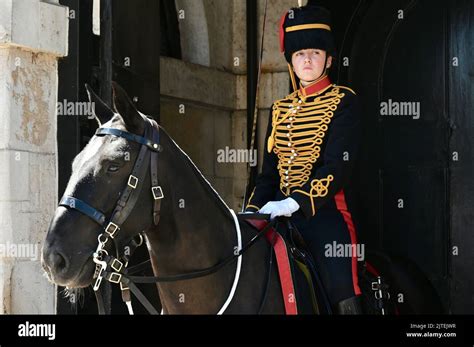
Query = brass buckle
x=115 y=277
x=132 y=181
x=116 y=265
x=157 y=193
x=114 y=230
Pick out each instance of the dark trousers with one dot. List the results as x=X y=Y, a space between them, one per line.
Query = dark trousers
x=338 y=272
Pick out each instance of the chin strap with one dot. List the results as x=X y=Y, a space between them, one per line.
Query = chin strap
x=292 y=76
x=323 y=74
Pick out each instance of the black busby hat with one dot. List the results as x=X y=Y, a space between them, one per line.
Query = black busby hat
x=306 y=27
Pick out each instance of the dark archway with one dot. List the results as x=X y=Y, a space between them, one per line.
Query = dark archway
x=413 y=190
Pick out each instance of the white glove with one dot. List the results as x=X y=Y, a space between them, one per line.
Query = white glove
x=280 y=208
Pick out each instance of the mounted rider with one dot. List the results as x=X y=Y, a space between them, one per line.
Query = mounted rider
x=312 y=143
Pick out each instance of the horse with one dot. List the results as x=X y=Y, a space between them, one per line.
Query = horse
x=196 y=228
x=132 y=158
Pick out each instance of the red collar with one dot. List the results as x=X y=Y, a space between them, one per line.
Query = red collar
x=315 y=87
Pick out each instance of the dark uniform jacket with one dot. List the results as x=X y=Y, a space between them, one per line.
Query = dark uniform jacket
x=311 y=145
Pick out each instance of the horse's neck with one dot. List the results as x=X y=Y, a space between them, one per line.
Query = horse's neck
x=195 y=231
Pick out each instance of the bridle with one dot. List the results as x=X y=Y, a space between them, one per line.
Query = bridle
x=128 y=198
x=114 y=269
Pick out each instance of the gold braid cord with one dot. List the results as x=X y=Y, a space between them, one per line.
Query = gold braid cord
x=299 y=127
x=249 y=205
x=319 y=189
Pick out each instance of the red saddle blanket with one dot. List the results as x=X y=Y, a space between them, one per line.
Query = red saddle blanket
x=283 y=263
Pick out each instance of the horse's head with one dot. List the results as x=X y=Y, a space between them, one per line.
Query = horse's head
x=101 y=174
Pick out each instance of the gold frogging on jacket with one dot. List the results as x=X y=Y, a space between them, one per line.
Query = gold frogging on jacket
x=319 y=189
x=299 y=127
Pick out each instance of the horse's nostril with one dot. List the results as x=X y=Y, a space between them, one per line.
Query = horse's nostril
x=57 y=262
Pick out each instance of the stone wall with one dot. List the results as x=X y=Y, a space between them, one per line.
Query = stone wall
x=33 y=34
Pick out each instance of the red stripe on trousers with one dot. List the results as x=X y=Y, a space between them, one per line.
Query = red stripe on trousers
x=342 y=207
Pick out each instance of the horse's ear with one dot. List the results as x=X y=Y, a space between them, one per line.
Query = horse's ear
x=101 y=111
x=125 y=107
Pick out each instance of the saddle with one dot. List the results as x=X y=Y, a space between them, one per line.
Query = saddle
x=301 y=286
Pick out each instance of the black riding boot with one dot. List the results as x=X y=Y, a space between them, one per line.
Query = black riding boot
x=351 y=305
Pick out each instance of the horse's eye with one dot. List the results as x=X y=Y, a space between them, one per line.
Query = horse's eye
x=113 y=168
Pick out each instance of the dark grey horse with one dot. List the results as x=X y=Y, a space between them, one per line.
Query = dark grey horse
x=196 y=228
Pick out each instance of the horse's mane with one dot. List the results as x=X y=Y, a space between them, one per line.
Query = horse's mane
x=198 y=173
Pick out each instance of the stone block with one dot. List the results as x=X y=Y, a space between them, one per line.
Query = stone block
x=28 y=280
x=34 y=25
x=28 y=115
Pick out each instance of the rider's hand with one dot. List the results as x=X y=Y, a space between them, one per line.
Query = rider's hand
x=280 y=208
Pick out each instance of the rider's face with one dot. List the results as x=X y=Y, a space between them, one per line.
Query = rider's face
x=309 y=64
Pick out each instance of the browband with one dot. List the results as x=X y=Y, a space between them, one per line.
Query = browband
x=154 y=146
